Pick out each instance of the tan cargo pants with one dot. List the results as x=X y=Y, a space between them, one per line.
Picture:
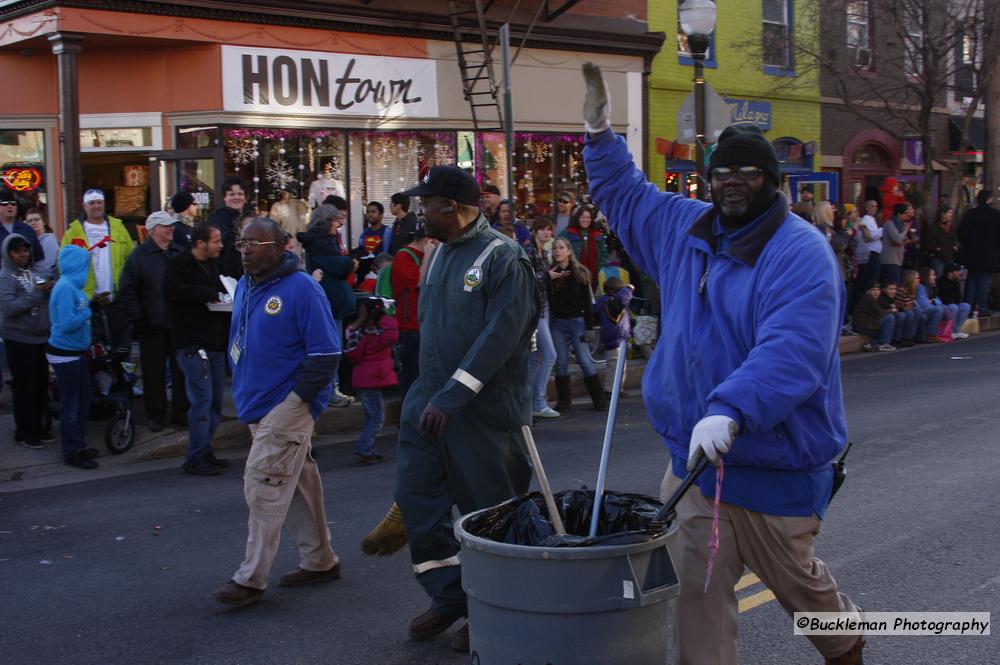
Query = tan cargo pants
x=779 y=550
x=281 y=484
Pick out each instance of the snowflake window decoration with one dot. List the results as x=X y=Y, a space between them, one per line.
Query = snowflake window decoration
x=333 y=169
x=443 y=154
x=539 y=151
x=243 y=152
x=279 y=174
x=416 y=149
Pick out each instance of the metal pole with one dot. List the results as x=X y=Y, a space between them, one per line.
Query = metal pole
x=508 y=111
x=699 y=122
x=609 y=428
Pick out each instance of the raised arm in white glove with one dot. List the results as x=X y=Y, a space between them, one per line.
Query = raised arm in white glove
x=712 y=436
x=597 y=103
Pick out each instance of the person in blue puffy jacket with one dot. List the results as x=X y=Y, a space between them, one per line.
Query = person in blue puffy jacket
x=746 y=368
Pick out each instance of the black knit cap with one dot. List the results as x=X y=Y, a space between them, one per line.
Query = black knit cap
x=745 y=145
x=181 y=201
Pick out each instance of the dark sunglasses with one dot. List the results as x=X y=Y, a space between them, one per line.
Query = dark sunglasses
x=8 y=203
x=744 y=172
x=564 y=201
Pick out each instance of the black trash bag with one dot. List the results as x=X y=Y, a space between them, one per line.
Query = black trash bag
x=625 y=519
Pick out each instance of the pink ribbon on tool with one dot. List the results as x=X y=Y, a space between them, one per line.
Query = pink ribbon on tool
x=713 y=541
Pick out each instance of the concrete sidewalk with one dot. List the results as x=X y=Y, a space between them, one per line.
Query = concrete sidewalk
x=22 y=468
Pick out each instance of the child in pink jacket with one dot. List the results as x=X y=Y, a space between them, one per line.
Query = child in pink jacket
x=370 y=338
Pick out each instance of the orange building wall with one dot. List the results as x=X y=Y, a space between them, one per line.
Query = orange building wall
x=145 y=80
x=30 y=84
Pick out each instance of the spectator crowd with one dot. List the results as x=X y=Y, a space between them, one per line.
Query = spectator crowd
x=909 y=281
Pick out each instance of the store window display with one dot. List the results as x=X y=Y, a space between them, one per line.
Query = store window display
x=544 y=165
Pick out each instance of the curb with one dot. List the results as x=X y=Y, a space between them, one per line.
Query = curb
x=234 y=434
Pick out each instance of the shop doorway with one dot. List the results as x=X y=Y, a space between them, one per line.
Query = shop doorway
x=124 y=179
x=869 y=158
x=196 y=171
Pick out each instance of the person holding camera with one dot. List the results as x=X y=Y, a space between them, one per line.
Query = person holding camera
x=24 y=326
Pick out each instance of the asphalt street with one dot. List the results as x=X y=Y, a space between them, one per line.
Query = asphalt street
x=87 y=577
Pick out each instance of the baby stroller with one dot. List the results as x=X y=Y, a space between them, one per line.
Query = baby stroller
x=112 y=381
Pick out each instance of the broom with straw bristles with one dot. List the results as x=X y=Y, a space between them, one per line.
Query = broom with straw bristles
x=388 y=536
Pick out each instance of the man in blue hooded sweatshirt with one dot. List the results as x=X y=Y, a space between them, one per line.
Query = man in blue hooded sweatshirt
x=747 y=366
x=284 y=350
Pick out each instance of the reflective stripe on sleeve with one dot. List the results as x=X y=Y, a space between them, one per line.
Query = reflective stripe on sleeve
x=431 y=565
x=467 y=380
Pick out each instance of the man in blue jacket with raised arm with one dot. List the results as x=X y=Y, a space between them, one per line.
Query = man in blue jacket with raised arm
x=283 y=349
x=746 y=367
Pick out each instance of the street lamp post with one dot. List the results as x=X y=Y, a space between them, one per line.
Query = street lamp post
x=697 y=19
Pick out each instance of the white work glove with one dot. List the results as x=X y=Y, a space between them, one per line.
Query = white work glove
x=712 y=436
x=596 y=103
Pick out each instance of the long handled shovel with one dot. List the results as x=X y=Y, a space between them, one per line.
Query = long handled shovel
x=609 y=428
x=543 y=482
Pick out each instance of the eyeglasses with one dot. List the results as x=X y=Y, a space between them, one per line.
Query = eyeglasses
x=744 y=172
x=564 y=200
x=8 y=203
x=252 y=244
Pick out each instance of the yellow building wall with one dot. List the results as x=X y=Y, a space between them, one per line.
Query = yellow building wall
x=795 y=101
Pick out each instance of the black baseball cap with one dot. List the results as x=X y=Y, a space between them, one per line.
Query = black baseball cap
x=491 y=189
x=448 y=181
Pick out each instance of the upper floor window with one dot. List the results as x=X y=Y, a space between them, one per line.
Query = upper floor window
x=859 y=36
x=777 y=37
x=972 y=45
x=913 y=42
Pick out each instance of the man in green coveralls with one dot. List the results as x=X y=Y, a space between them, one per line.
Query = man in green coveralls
x=460 y=432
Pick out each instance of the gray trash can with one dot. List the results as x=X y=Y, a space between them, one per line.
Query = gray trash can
x=567 y=605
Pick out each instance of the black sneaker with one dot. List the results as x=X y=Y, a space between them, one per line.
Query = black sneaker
x=47 y=438
x=215 y=461
x=202 y=468
x=81 y=462
x=89 y=453
x=374 y=458
x=34 y=445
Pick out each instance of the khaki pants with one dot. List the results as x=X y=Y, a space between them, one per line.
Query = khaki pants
x=281 y=484
x=779 y=550
x=611 y=357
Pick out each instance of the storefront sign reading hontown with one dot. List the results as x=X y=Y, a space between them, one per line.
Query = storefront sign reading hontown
x=313 y=83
